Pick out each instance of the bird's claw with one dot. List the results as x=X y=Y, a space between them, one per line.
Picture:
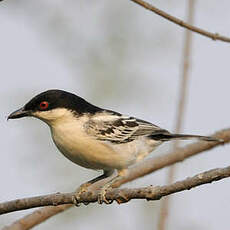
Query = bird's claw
x=76 y=197
x=75 y=201
x=101 y=197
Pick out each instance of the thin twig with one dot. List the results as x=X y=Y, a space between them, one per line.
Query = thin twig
x=181 y=109
x=120 y=195
x=144 y=168
x=213 y=36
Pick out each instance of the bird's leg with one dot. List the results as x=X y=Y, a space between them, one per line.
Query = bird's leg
x=101 y=196
x=84 y=187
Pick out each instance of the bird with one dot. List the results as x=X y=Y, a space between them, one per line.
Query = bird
x=97 y=138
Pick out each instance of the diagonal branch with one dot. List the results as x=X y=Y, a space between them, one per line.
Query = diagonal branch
x=120 y=195
x=153 y=164
x=213 y=36
x=142 y=169
x=37 y=217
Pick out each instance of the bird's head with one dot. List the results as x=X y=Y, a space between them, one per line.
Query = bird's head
x=53 y=105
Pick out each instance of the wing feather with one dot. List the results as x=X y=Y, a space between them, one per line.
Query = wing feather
x=119 y=129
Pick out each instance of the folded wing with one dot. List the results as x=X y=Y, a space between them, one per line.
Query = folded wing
x=119 y=129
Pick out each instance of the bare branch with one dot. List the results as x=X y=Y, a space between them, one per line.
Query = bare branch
x=213 y=36
x=153 y=164
x=120 y=195
x=141 y=170
x=180 y=110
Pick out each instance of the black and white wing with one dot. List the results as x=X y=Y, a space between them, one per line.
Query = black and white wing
x=116 y=128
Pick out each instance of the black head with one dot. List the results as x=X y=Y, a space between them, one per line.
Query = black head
x=54 y=99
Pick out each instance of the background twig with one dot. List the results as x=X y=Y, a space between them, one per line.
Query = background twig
x=214 y=36
x=181 y=108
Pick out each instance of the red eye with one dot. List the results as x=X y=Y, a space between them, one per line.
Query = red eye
x=44 y=105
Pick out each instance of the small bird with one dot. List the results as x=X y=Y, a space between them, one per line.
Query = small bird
x=96 y=138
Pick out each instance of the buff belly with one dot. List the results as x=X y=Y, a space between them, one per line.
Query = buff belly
x=84 y=150
x=90 y=153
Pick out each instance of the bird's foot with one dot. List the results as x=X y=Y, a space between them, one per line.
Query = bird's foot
x=101 y=196
x=76 y=197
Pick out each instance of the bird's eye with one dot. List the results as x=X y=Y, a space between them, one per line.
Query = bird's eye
x=44 y=105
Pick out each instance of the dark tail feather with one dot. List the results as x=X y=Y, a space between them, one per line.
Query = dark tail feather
x=187 y=136
x=170 y=136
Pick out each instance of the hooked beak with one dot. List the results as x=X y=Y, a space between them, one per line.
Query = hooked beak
x=18 y=114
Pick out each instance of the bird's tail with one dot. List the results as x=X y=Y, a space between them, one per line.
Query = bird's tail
x=170 y=136
x=188 y=136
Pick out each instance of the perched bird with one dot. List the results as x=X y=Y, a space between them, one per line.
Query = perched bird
x=96 y=138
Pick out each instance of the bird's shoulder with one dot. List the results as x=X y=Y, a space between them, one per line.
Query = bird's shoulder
x=117 y=128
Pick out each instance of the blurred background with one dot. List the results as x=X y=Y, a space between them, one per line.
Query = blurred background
x=118 y=56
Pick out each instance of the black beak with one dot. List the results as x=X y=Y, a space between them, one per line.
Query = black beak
x=18 y=114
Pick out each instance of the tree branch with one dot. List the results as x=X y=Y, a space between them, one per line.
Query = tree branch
x=213 y=36
x=37 y=217
x=120 y=195
x=142 y=169
x=155 y=163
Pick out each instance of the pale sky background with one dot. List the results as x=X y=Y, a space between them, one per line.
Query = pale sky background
x=119 y=56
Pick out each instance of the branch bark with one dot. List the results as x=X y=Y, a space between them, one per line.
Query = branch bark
x=142 y=169
x=179 y=22
x=120 y=195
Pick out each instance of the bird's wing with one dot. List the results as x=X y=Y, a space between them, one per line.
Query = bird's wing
x=117 y=128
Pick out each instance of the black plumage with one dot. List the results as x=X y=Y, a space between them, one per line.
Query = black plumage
x=61 y=99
